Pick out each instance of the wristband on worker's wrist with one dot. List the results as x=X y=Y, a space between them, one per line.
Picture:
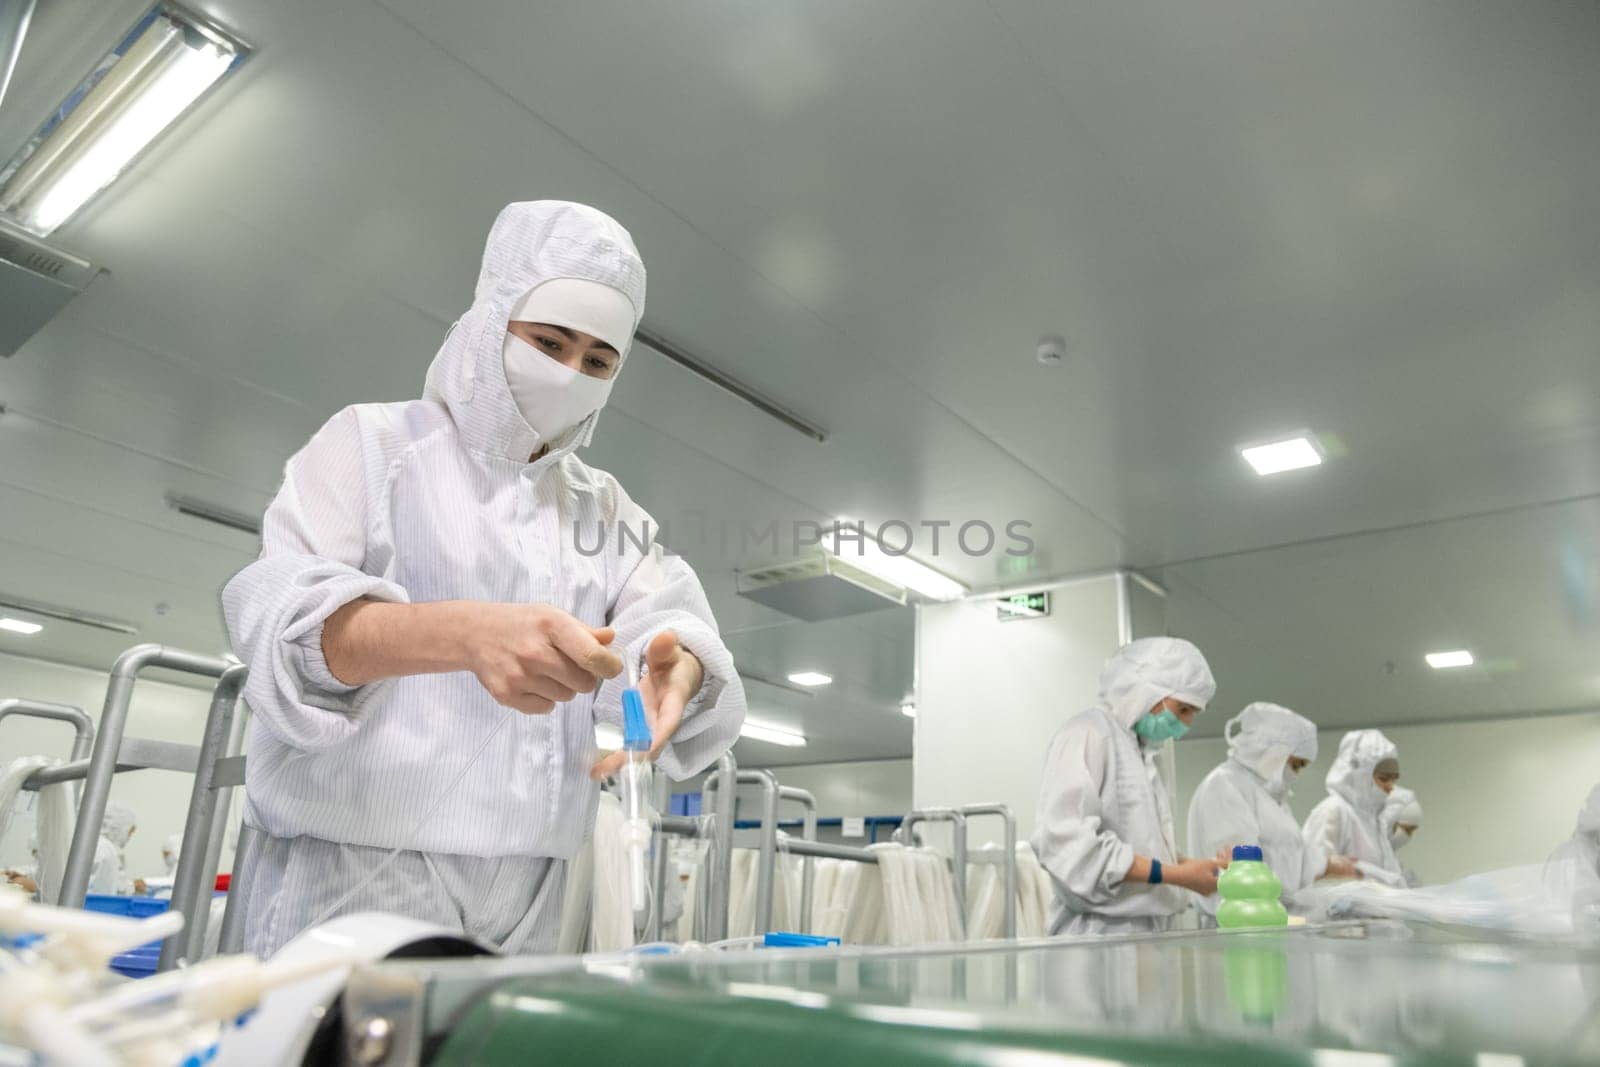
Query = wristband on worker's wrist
x=1155 y=872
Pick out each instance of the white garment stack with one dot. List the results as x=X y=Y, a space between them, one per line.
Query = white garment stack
x=53 y=818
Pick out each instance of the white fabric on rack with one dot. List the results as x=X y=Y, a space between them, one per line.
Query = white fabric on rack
x=53 y=818
x=611 y=904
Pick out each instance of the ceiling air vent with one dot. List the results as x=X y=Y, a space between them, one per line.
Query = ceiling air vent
x=36 y=282
x=817 y=587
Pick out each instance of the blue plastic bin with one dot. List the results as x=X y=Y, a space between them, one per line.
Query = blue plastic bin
x=137 y=962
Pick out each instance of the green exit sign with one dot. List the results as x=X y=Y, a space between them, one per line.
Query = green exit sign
x=1023 y=606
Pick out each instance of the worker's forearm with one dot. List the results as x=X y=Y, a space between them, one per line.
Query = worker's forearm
x=367 y=640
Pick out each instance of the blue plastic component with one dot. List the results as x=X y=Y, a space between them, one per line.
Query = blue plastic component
x=779 y=939
x=1247 y=852
x=132 y=907
x=635 y=728
x=137 y=962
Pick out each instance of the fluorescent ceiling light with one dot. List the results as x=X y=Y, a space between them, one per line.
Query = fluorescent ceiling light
x=1441 y=661
x=869 y=555
x=809 y=678
x=773 y=735
x=909 y=710
x=19 y=626
x=156 y=74
x=1280 y=456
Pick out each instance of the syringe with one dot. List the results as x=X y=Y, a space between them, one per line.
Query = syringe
x=636 y=743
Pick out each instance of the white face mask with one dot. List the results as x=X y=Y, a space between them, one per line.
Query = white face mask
x=1399 y=839
x=552 y=397
x=1278 y=788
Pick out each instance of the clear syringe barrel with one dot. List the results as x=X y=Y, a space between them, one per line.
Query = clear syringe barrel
x=635 y=830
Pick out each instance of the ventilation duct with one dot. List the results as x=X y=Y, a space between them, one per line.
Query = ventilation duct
x=817 y=587
x=36 y=282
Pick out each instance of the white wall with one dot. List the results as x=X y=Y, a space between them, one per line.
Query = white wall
x=991 y=694
x=1494 y=794
x=159 y=710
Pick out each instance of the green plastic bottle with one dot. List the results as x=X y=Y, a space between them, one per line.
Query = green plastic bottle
x=1250 y=892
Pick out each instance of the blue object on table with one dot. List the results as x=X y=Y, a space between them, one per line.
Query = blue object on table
x=780 y=939
x=137 y=962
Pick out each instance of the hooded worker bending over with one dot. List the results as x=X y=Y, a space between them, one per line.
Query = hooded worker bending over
x=421 y=606
x=1104 y=829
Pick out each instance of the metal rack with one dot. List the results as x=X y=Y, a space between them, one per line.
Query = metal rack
x=219 y=770
x=82 y=725
x=961 y=856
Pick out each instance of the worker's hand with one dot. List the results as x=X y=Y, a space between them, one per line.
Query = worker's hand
x=1341 y=867
x=1224 y=857
x=139 y=886
x=18 y=878
x=674 y=677
x=1199 y=876
x=532 y=657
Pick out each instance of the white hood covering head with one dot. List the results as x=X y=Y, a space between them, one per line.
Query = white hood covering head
x=1263 y=736
x=1589 y=814
x=529 y=245
x=1402 y=809
x=118 y=824
x=170 y=851
x=1143 y=673
x=1350 y=777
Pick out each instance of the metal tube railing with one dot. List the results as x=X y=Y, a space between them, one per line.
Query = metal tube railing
x=231 y=938
x=808 y=831
x=823 y=850
x=107 y=746
x=1008 y=862
x=766 y=861
x=725 y=784
x=82 y=726
x=958 y=849
x=189 y=893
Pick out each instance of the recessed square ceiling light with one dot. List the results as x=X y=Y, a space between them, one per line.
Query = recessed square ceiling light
x=909 y=710
x=809 y=678
x=1441 y=661
x=772 y=735
x=1279 y=456
x=20 y=626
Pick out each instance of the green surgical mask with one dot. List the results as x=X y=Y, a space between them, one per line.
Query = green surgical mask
x=1162 y=726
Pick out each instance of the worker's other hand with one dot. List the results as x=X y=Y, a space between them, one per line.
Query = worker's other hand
x=532 y=657
x=674 y=677
x=1342 y=867
x=139 y=886
x=1224 y=857
x=18 y=878
x=1199 y=876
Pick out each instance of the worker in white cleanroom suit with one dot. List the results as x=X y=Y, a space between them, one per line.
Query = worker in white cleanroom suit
x=109 y=873
x=1572 y=874
x=1348 y=821
x=1245 y=800
x=432 y=567
x=1401 y=819
x=1104 y=829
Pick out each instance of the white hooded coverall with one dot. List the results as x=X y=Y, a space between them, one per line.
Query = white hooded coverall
x=436 y=499
x=1572 y=874
x=1348 y=821
x=1244 y=800
x=108 y=875
x=1102 y=800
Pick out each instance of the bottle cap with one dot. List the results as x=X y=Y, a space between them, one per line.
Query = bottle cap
x=635 y=728
x=1246 y=852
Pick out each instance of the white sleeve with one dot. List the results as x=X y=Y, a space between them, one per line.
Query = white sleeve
x=1220 y=816
x=1089 y=861
x=313 y=545
x=106 y=870
x=664 y=593
x=1325 y=829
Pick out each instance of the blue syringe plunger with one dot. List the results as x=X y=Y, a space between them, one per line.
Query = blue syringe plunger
x=635 y=728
